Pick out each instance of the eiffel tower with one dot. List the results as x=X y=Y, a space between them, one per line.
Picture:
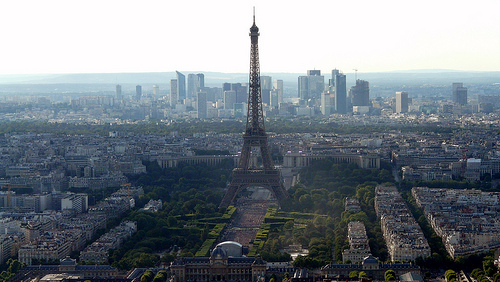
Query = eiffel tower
x=254 y=137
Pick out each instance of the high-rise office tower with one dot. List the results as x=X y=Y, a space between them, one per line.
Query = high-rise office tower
x=327 y=103
x=240 y=89
x=138 y=92
x=195 y=82
x=191 y=86
x=360 y=93
x=278 y=86
x=401 y=102
x=302 y=88
x=156 y=90
x=119 y=92
x=266 y=84
x=335 y=72
x=229 y=99
x=313 y=73
x=274 y=99
x=201 y=104
x=226 y=86
x=311 y=86
x=181 y=86
x=316 y=84
x=173 y=92
x=459 y=93
x=340 y=93
x=200 y=80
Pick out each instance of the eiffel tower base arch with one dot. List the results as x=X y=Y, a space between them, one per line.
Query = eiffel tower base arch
x=246 y=178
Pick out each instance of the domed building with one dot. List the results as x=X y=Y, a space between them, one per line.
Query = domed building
x=233 y=249
x=220 y=266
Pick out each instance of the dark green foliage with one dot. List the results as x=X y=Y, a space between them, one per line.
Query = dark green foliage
x=328 y=184
x=390 y=275
x=488 y=266
x=354 y=274
x=277 y=125
x=450 y=274
x=275 y=257
x=324 y=186
x=147 y=276
x=204 y=250
x=216 y=231
x=439 y=254
x=476 y=272
x=190 y=198
x=161 y=276
x=13 y=266
x=307 y=262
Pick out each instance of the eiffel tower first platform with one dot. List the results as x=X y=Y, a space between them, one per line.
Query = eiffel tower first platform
x=255 y=136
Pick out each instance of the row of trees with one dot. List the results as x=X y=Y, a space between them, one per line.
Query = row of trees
x=489 y=272
x=277 y=125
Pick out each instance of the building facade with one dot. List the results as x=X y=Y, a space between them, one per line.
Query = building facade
x=311 y=86
x=401 y=102
x=173 y=92
x=181 y=86
x=218 y=267
x=459 y=93
x=360 y=93
x=340 y=93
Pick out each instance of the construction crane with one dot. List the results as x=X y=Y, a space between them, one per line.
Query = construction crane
x=9 y=187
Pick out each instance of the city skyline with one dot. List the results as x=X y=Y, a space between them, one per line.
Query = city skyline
x=111 y=36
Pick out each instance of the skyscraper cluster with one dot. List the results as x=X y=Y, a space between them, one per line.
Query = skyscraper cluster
x=310 y=87
x=331 y=98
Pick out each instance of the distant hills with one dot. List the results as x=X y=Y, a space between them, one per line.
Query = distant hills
x=410 y=77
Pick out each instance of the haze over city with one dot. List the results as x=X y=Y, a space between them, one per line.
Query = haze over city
x=157 y=36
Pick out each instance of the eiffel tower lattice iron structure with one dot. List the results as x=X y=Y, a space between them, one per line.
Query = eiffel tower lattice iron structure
x=254 y=137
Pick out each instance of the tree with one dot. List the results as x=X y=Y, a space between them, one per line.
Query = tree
x=362 y=274
x=14 y=266
x=489 y=266
x=450 y=274
x=147 y=276
x=390 y=275
x=354 y=274
x=159 y=277
x=476 y=272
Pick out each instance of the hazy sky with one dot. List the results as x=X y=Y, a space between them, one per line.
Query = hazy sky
x=73 y=36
